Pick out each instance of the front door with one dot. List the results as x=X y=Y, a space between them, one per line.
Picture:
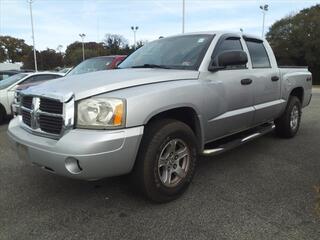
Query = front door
x=234 y=89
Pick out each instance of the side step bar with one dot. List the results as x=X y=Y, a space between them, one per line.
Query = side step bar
x=236 y=140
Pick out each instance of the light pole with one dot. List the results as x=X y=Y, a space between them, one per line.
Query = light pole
x=82 y=35
x=183 y=14
x=59 y=48
x=264 y=9
x=134 y=29
x=34 y=45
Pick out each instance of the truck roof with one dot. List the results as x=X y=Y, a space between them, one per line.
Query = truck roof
x=219 y=33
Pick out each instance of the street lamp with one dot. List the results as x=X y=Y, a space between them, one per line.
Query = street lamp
x=264 y=9
x=82 y=35
x=183 y=14
x=59 y=48
x=134 y=29
x=34 y=45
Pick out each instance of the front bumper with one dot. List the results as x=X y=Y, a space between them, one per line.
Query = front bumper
x=80 y=153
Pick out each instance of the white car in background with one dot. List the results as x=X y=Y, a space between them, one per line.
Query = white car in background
x=22 y=81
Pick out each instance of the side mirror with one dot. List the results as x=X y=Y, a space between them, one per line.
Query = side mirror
x=228 y=58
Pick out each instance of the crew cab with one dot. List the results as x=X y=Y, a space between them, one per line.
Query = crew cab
x=22 y=81
x=169 y=102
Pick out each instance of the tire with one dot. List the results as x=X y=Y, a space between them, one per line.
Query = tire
x=288 y=124
x=2 y=114
x=156 y=170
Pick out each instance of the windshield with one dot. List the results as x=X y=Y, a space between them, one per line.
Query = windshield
x=11 y=80
x=181 y=52
x=92 y=65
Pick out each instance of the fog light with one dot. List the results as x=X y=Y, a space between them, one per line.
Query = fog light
x=73 y=165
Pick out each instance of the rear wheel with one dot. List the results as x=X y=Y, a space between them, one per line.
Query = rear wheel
x=288 y=124
x=166 y=160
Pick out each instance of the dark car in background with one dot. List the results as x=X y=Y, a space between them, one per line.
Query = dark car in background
x=97 y=64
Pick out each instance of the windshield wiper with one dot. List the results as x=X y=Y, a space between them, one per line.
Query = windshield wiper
x=147 y=65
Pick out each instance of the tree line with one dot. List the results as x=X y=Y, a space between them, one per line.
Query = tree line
x=16 y=50
x=295 y=40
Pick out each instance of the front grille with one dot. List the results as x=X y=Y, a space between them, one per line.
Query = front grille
x=27 y=102
x=51 y=106
x=26 y=117
x=42 y=114
x=50 y=124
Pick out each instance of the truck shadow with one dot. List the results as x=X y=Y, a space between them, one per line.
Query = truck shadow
x=119 y=191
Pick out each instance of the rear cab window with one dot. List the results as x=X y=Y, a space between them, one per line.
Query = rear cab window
x=258 y=53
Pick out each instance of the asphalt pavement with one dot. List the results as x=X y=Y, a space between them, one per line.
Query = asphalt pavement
x=262 y=190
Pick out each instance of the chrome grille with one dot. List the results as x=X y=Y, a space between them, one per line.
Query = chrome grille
x=46 y=116
x=26 y=117
x=51 y=106
x=50 y=124
x=27 y=102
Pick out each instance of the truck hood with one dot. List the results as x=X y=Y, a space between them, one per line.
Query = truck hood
x=94 y=83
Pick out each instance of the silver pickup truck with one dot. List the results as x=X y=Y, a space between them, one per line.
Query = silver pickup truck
x=169 y=102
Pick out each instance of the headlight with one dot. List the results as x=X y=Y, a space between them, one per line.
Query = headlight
x=101 y=113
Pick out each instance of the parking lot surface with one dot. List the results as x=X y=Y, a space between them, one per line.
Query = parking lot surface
x=262 y=190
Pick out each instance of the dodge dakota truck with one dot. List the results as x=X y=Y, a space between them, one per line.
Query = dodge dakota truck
x=171 y=101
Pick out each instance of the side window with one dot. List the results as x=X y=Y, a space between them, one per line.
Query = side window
x=4 y=76
x=27 y=81
x=258 y=54
x=228 y=45
x=39 y=78
x=46 y=77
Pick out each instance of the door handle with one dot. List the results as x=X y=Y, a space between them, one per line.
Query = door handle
x=275 y=78
x=246 y=81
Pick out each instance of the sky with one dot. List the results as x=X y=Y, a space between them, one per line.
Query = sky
x=59 y=22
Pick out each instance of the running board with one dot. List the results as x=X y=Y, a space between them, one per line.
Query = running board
x=236 y=140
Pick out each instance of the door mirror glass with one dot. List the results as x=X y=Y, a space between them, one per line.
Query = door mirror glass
x=232 y=58
x=229 y=58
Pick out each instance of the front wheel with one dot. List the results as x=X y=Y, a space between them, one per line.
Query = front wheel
x=2 y=115
x=288 y=124
x=166 y=160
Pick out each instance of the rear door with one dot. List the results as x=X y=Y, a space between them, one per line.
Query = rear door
x=266 y=81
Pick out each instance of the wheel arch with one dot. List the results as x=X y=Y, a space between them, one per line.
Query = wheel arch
x=185 y=114
x=298 y=92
